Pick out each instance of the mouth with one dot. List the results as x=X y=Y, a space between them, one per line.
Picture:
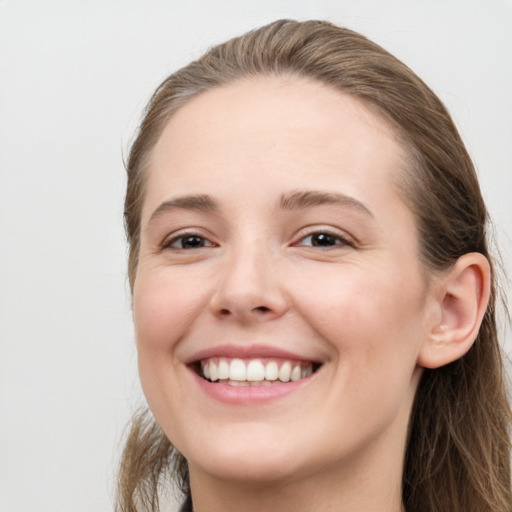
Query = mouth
x=253 y=372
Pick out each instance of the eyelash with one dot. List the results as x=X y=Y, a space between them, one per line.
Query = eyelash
x=341 y=240
x=169 y=244
x=204 y=242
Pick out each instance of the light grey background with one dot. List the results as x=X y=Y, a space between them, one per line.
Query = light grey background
x=74 y=76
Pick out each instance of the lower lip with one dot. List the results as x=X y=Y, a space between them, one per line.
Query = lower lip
x=248 y=395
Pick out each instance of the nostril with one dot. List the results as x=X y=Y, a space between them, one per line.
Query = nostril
x=258 y=311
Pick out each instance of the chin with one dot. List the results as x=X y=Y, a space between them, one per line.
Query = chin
x=249 y=458
x=251 y=470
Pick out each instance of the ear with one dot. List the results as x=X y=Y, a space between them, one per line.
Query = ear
x=462 y=295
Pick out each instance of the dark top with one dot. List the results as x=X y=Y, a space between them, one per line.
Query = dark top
x=187 y=505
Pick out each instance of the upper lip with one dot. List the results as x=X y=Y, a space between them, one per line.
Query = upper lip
x=247 y=352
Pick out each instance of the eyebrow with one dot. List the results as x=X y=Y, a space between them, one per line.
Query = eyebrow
x=200 y=203
x=295 y=200
x=306 y=198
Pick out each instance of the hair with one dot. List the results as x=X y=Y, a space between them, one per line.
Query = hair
x=458 y=452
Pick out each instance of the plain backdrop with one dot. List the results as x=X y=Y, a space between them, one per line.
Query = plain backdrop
x=74 y=77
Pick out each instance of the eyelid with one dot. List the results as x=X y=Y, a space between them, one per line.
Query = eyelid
x=174 y=237
x=304 y=233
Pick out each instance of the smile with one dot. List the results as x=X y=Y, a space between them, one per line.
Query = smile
x=254 y=372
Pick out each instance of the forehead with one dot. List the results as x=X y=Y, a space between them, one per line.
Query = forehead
x=265 y=102
x=285 y=130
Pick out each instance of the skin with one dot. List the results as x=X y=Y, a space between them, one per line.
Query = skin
x=362 y=307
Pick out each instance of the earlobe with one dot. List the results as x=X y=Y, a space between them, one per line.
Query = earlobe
x=462 y=297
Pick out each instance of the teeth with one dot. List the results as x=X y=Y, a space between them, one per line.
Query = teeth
x=237 y=370
x=254 y=372
x=213 y=371
x=306 y=372
x=223 y=372
x=285 y=372
x=271 y=371
x=295 y=375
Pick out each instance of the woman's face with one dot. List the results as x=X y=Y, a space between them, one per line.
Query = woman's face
x=275 y=246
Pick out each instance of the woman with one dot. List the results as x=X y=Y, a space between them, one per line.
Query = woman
x=313 y=295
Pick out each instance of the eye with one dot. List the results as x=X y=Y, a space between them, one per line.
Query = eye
x=187 y=241
x=324 y=239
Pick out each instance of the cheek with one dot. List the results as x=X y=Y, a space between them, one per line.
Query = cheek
x=373 y=325
x=163 y=306
x=369 y=320
x=372 y=314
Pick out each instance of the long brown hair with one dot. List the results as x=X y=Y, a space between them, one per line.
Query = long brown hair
x=458 y=454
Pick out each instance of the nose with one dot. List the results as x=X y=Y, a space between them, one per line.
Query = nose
x=249 y=288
